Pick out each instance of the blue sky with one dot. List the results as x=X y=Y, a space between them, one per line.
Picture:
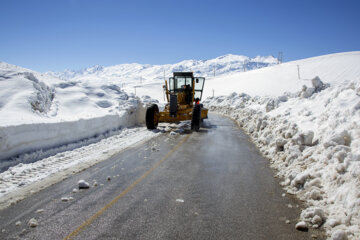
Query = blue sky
x=73 y=34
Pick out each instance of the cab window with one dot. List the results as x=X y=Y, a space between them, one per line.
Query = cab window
x=179 y=82
x=199 y=83
x=171 y=84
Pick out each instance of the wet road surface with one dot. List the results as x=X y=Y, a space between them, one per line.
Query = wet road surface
x=211 y=184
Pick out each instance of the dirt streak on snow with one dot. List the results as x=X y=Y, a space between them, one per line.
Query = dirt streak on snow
x=22 y=180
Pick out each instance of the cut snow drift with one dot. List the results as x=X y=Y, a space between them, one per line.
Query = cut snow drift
x=39 y=113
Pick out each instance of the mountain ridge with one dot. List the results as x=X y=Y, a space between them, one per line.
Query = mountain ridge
x=222 y=64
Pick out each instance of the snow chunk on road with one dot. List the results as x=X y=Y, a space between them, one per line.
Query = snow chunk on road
x=66 y=199
x=33 y=223
x=301 y=226
x=40 y=210
x=82 y=184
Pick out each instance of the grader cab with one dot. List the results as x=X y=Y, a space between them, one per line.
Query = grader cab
x=183 y=94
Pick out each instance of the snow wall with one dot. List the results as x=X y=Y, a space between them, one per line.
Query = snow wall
x=25 y=138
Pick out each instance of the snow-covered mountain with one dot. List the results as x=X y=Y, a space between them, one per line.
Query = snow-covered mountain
x=221 y=65
x=146 y=79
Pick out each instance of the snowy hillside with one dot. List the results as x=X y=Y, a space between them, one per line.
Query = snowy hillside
x=148 y=79
x=277 y=79
x=310 y=133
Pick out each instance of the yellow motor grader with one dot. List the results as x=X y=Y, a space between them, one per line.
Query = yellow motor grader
x=183 y=95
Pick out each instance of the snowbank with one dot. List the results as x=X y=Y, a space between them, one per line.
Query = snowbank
x=312 y=139
x=29 y=138
x=40 y=112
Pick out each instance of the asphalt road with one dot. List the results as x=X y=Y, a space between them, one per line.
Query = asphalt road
x=211 y=184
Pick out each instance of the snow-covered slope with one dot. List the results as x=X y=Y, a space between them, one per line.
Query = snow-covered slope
x=310 y=134
x=148 y=79
x=277 y=79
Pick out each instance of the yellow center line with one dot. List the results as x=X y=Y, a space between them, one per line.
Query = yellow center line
x=128 y=189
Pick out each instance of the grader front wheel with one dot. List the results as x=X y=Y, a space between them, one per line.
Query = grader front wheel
x=152 y=117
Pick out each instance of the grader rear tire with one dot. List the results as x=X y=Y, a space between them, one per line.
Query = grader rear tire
x=152 y=117
x=196 y=118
